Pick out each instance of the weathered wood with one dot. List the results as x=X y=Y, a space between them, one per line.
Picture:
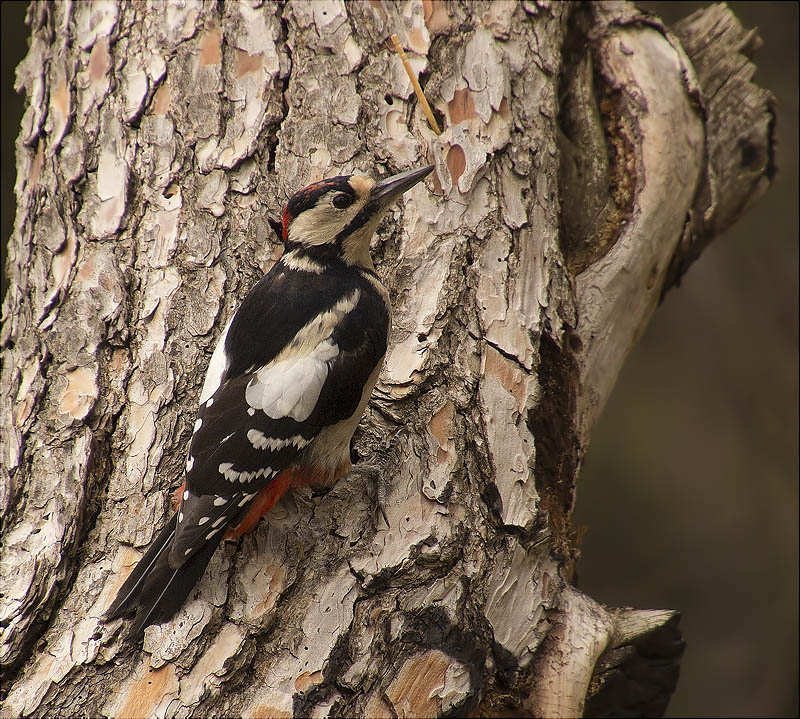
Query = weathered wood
x=158 y=142
x=740 y=121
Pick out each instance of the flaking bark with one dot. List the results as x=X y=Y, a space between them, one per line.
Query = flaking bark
x=585 y=162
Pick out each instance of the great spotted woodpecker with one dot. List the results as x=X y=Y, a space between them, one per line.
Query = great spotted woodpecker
x=286 y=386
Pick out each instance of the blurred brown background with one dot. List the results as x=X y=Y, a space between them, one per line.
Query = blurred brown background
x=689 y=489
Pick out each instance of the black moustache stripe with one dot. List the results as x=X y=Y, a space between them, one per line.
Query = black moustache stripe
x=365 y=214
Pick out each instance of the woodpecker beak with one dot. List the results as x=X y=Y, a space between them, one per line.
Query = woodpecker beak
x=387 y=191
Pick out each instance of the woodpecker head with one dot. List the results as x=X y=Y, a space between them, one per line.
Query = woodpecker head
x=338 y=216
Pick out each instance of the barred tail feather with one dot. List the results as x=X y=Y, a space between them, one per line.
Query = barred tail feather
x=155 y=589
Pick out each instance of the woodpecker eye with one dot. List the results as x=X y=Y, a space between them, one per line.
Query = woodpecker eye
x=342 y=200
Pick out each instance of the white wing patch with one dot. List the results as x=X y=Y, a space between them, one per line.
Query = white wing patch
x=291 y=388
x=216 y=367
x=290 y=385
x=260 y=441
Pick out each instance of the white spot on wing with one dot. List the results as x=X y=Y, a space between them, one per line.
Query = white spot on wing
x=185 y=494
x=219 y=501
x=260 y=441
x=180 y=516
x=197 y=424
x=257 y=439
x=189 y=464
x=226 y=469
x=203 y=520
x=247 y=497
x=232 y=475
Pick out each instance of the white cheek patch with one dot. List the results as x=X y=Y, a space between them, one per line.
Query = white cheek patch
x=216 y=367
x=291 y=387
x=319 y=225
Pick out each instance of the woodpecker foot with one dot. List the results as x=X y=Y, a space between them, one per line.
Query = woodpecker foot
x=375 y=475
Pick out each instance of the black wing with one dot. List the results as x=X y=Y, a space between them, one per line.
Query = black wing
x=258 y=422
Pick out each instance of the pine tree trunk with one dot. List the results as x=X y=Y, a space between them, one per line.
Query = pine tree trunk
x=586 y=160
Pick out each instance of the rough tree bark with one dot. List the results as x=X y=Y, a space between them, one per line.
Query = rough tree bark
x=586 y=160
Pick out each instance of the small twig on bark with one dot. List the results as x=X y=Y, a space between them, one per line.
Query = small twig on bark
x=415 y=83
